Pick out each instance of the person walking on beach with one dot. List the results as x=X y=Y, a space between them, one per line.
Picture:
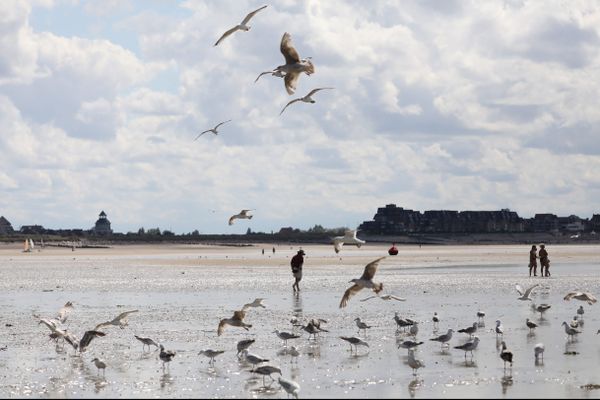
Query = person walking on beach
x=296 y=263
x=544 y=261
x=533 y=260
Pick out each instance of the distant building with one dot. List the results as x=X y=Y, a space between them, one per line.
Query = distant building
x=32 y=229
x=5 y=227
x=102 y=226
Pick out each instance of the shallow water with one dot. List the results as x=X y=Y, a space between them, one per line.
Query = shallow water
x=181 y=305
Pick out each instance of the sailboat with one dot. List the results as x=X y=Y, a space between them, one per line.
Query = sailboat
x=26 y=247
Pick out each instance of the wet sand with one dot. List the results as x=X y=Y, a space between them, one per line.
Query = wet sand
x=182 y=291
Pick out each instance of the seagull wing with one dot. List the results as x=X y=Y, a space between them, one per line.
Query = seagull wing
x=244 y=213
x=202 y=133
x=229 y=32
x=252 y=14
x=87 y=338
x=310 y=94
x=519 y=289
x=49 y=323
x=221 y=327
x=224 y=122
x=263 y=73
x=397 y=298
x=124 y=315
x=286 y=106
x=291 y=81
x=232 y=218
x=530 y=289
x=570 y=295
x=63 y=313
x=287 y=49
x=370 y=269
x=338 y=244
x=102 y=325
x=239 y=315
x=351 y=291
x=590 y=298
x=368 y=298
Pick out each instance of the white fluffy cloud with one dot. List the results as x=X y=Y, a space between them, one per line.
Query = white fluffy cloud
x=481 y=105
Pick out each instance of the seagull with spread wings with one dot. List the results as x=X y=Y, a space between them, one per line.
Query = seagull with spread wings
x=365 y=281
x=293 y=66
x=236 y=320
x=348 y=238
x=276 y=73
x=525 y=294
x=241 y=27
x=213 y=130
x=244 y=214
x=583 y=296
x=384 y=297
x=306 y=99
x=120 y=320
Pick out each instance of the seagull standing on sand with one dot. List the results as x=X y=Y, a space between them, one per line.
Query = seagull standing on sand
x=469 y=346
x=498 y=329
x=525 y=294
x=414 y=363
x=362 y=325
x=542 y=308
x=583 y=296
x=146 y=341
x=241 y=27
x=213 y=130
x=211 y=354
x=538 y=351
x=531 y=325
x=409 y=344
x=306 y=99
x=293 y=66
x=470 y=330
x=353 y=340
x=244 y=214
x=244 y=345
x=506 y=355
x=236 y=320
x=580 y=312
x=444 y=339
x=294 y=353
x=253 y=358
x=480 y=315
x=570 y=331
x=100 y=365
x=166 y=356
x=365 y=281
x=348 y=238
x=285 y=336
x=120 y=320
x=414 y=329
x=290 y=387
x=436 y=320
x=267 y=370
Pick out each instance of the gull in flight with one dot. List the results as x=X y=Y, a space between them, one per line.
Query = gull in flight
x=236 y=320
x=289 y=386
x=583 y=296
x=348 y=238
x=525 y=294
x=64 y=312
x=306 y=99
x=384 y=297
x=414 y=363
x=120 y=320
x=242 y=26
x=293 y=66
x=365 y=281
x=244 y=214
x=213 y=130
x=258 y=302
x=276 y=73
x=146 y=341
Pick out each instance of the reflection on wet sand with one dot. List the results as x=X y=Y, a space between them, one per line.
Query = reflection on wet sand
x=413 y=386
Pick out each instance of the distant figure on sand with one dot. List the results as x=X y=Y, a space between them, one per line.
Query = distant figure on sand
x=273 y=250
x=533 y=260
x=544 y=261
x=296 y=263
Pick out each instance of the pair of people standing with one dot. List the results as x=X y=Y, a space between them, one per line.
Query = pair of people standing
x=544 y=261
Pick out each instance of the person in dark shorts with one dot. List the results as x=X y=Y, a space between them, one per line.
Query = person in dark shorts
x=544 y=261
x=533 y=260
x=296 y=263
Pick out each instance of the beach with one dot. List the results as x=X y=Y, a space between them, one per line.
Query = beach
x=182 y=291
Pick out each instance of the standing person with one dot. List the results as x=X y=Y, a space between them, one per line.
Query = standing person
x=533 y=260
x=544 y=262
x=273 y=249
x=296 y=263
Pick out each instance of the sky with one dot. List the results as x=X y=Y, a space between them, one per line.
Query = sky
x=454 y=105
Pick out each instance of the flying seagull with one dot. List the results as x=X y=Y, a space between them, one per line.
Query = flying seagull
x=242 y=26
x=293 y=66
x=63 y=313
x=306 y=99
x=244 y=214
x=525 y=294
x=348 y=238
x=583 y=296
x=384 y=297
x=258 y=302
x=275 y=72
x=120 y=320
x=365 y=281
x=236 y=320
x=213 y=130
